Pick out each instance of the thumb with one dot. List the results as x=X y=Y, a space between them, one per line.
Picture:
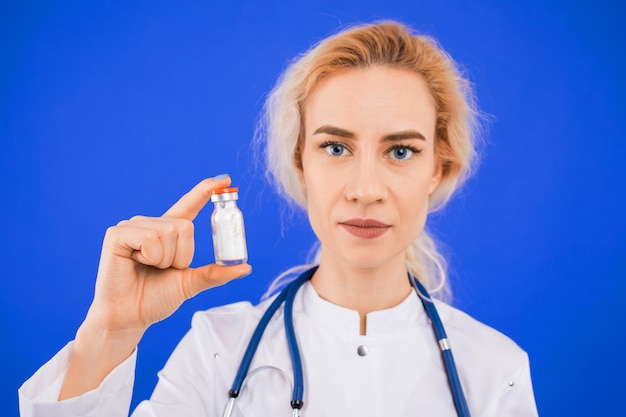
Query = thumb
x=212 y=275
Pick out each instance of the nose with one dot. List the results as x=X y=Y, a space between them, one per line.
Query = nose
x=366 y=183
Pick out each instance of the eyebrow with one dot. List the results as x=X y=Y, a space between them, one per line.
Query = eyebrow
x=405 y=134
x=392 y=137
x=334 y=131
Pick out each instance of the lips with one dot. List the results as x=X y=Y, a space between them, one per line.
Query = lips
x=365 y=228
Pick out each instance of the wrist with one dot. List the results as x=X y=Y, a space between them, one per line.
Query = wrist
x=95 y=336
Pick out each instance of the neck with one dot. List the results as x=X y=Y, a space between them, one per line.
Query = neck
x=363 y=289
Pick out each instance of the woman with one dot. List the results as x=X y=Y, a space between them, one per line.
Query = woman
x=368 y=132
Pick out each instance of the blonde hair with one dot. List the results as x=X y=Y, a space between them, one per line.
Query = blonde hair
x=389 y=44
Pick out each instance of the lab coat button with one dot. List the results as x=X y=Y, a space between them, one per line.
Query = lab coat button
x=362 y=350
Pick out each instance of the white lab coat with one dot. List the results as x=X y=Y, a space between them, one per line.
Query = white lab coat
x=402 y=373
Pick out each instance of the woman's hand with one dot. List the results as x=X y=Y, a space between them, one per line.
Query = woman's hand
x=143 y=277
x=144 y=273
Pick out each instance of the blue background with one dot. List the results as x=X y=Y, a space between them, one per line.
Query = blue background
x=111 y=109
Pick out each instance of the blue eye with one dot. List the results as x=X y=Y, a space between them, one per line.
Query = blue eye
x=401 y=152
x=335 y=149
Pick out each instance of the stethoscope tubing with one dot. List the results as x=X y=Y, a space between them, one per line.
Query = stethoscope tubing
x=294 y=351
x=446 y=352
x=244 y=366
x=254 y=343
x=288 y=296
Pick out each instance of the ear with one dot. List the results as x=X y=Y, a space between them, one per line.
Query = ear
x=300 y=173
x=299 y=169
x=437 y=177
x=297 y=162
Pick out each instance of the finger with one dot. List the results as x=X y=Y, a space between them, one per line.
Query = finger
x=168 y=235
x=185 y=245
x=191 y=203
x=142 y=245
x=197 y=280
x=176 y=237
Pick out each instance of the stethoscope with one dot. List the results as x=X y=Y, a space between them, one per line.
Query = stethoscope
x=287 y=296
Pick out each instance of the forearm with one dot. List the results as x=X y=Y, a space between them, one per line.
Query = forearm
x=96 y=353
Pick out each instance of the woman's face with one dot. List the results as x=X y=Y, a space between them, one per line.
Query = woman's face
x=368 y=163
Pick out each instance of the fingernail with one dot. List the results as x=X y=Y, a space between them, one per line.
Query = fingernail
x=220 y=177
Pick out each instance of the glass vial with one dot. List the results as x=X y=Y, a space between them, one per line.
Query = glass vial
x=229 y=239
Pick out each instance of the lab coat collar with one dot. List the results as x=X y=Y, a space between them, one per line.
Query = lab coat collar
x=408 y=314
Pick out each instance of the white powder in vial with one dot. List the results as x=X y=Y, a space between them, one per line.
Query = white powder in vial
x=229 y=239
